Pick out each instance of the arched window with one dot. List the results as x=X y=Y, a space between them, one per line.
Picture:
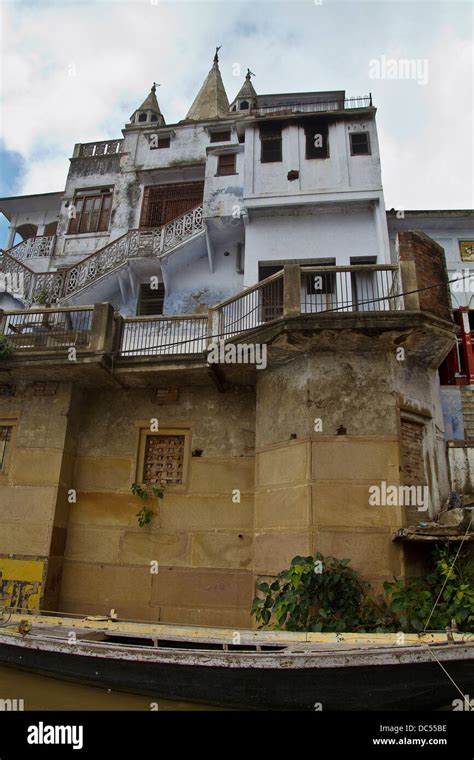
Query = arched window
x=27 y=231
x=154 y=117
x=244 y=105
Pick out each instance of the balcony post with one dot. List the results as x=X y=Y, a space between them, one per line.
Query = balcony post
x=291 y=290
x=409 y=282
x=102 y=328
x=213 y=326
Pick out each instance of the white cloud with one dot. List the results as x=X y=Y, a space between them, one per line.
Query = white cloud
x=118 y=48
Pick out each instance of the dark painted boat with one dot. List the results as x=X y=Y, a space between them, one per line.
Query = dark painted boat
x=245 y=669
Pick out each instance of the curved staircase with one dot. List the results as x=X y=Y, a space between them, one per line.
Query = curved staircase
x=59 y=286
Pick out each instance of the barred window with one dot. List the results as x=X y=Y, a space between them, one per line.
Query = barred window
x=5 y=443
x=360 y=144
x=164 y=459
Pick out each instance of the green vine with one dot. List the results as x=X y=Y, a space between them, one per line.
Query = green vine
x=145 y=514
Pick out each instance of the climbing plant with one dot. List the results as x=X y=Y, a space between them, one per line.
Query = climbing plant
x=450 y=584
x=145 y=514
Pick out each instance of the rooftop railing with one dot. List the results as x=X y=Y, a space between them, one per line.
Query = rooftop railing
x=95 y=149
x=364 y=101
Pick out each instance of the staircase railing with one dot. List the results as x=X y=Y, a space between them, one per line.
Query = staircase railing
x=137 y=243
x=41 y=245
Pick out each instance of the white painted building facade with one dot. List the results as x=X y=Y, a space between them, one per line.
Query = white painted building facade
x=262 y=196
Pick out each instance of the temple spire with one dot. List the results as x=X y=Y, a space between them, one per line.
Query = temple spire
x=211 y=102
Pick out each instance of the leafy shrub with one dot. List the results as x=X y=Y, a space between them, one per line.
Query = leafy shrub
x=6 y=350
x=450 y=582
x=317 y=594
x=325 y=594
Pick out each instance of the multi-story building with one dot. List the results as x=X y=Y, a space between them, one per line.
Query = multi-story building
x=255 y=232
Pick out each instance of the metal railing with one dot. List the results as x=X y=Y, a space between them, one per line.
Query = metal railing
x=47 y=329
x=253 y=307
x=139 y=243
x=41 y=245
x=316 y=107
x=158 y=336
x=51 y=287
x=292 y=292
x=352 y=288
x=102 y=148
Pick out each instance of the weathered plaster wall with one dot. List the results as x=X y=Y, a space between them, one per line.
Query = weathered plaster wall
x=312 y=486
x=33 y=492
x=339 y=234
x=201 y=539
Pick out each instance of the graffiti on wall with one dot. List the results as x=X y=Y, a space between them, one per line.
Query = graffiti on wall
x=21 y=582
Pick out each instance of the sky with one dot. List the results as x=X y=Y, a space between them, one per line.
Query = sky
x=74 y=71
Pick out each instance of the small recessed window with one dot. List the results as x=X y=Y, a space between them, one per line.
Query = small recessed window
x=164 y=459
x=360 y=144
x=270 y=139
x=151 y=300
x=142 y=117
x=223 y=136
x=164 y=142
x=226 y=164
x=153 y=117
x=244 y=106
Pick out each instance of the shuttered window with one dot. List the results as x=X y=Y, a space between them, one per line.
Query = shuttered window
x=92 y=213
x=317 y=145
x=270 y=139
x=151 y=300
x=226 y=164
x=164 y=459
x=162 y=203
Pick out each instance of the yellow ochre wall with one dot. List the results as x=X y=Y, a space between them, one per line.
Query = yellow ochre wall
x=301 y=491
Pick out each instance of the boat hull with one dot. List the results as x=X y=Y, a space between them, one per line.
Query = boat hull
x=409 y=686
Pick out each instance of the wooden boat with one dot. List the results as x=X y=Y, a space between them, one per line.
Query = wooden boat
x=245 y=669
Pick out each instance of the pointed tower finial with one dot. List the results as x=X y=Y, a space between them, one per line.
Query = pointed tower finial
x=246 y=98
x=149 y=111
x=211 y=102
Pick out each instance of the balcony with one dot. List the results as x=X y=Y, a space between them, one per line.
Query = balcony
x=39 y=246
x=300 y=308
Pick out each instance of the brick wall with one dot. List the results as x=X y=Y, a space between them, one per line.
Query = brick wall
x=413 y=464
x=430 y=266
